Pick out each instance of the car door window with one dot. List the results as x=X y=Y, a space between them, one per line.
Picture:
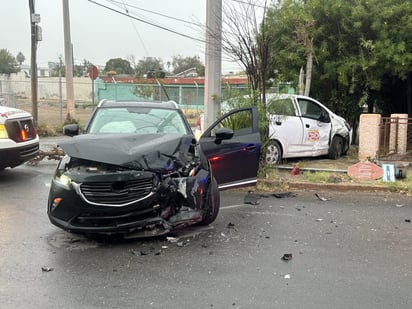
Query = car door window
x=241 y=123
x=284 y=107
x=312 y=110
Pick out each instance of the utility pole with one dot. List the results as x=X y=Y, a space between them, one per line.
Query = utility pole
x=34 y=19
x=68 y=53
x=213 y=61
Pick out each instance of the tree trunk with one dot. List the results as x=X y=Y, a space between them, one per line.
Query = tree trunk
x=301 y=85
x=309 y=64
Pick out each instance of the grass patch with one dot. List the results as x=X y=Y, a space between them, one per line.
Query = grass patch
x=325 y=177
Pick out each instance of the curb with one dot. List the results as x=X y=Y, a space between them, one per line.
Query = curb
x=326 y=186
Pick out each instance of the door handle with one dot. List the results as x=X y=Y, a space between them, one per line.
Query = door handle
x=250 y=147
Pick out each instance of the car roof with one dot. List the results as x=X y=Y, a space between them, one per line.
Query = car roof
x=152 y=104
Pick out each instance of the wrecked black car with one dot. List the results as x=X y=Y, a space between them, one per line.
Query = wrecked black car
x=139 y=169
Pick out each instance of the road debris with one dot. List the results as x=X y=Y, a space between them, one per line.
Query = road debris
x=172 y=239
x=319 y=220
x=230 y=225
x=322 y=198
x=408 y=220
x=284 y=194
x=287 y=276
x=47 y=269
x=252 y=198
x=286 y=257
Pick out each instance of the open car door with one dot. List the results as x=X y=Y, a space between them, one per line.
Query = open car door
x=232 y=146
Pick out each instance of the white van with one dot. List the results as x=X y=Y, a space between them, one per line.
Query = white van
x=300 y=126
x=19 y=141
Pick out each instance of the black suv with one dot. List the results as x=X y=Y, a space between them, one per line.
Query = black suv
x=139 y=169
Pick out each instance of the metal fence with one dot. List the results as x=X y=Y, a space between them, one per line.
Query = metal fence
x=391 y=130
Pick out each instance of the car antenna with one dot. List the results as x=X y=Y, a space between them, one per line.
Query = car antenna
x=163 y=88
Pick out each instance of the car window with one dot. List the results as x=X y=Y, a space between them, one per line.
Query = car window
x=139 y=120
x=312 y=110
x=283 y=107
x=240 y=122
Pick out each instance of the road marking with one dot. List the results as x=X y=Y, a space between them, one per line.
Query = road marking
x=233 y=206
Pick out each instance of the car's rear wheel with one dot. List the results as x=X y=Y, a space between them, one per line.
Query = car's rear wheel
x=273 y=153
x=336 y=148
x=212 y=203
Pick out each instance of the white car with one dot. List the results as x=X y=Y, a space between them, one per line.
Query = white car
x=300 y=126
x=19 y=141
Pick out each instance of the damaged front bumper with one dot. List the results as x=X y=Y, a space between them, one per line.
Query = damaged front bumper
x=126 y=202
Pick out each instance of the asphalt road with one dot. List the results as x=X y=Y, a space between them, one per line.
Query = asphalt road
x=351 y=251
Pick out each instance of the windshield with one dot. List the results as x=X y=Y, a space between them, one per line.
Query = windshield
x=139 y=120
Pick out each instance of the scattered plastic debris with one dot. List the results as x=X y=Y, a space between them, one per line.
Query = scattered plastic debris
x=287 y=276
x=322 y=198
x=252 y=198
x=286 y=257
x=399 y=205
x=172 y=239
x=47 y=269
x=284 y=194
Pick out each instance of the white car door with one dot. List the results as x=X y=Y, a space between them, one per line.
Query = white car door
x=316 y=125
x=286 y=126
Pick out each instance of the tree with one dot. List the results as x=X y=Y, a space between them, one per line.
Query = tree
x=355 y=45
x=118 y=65
x=246 y=39
x=20 y=58
x=8 y=63
x=181 y=64
x=148 y=64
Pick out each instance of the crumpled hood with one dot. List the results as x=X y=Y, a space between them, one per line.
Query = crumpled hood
x=154 y=152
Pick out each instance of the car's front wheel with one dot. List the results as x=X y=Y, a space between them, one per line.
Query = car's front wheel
x=336 y=148
x=212 y=203
x=273 y=153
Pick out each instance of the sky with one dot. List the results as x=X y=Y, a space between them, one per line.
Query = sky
x=99 y=34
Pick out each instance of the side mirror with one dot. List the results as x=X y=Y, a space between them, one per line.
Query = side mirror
x=223 y=133
x=71 y=129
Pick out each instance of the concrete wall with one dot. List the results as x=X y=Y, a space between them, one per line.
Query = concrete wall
x=48 y=87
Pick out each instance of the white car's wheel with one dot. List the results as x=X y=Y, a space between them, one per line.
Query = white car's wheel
x=273 y=153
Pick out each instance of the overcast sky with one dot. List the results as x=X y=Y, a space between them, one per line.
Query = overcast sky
x=99 y=34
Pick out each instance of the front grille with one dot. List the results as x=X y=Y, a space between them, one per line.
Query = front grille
x=112 y=220
x=117 y=192
x=15 y=127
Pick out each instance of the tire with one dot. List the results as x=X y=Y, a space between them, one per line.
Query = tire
x=345 y=148
x=336 y=148
x=212 y=203
x=273 y=153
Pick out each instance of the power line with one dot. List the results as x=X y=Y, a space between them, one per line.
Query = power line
x=249 y=3
x=147 y=22
x=157 y=13
x=135 y=29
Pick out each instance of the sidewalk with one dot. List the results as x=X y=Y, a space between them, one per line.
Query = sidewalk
x=334 y=176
